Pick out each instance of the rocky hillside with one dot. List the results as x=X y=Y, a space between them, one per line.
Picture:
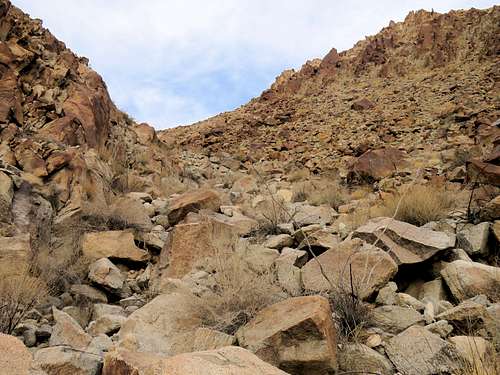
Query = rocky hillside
x=346 y=221
x=429 y=83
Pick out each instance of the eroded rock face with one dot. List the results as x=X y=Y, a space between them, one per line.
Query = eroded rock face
x=406 y=243
x=229 y=360
x=416 y=351
x=65 y=360
x=106 y=274
x=359 y=357
x=395 y=319
x=15 y=357
x=164 y=326
x=113 y=245
x=193 y=202
x=468 y=279
x=190 y=243
x=371 y=268
x=302 y=341
x=14 y=254
x=67 y=332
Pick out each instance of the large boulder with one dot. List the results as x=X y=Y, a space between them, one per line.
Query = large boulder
x=6 y=195
x=474 y=238
x=417 y=351
x=359 y=357
x=132 y=212
x=406 y=243
x=15 y=254
x=371 y=268
x=229 y=360
x=301 y=341
x=190 y=243
x=15 y=357
x=165 y=326
x=68 y=332
x=106 y=274
x=468 y=279
x=193 y=201
x=377 y=164
x=395 y=319
x=114 y=245
x=63 y=360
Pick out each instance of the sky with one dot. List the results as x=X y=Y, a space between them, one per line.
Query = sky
x=175 y=62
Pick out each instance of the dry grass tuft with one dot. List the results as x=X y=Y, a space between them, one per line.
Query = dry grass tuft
x=320 y=192
x=239 y=293
x=18 y=295
x=419 y=205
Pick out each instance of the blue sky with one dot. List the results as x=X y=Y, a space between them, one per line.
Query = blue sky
x=174 y=62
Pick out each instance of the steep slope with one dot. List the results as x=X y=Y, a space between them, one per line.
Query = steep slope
x=430 y=82
x=60 y=132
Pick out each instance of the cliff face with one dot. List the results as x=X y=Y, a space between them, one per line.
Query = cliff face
x=61 y=134
x=430 y=82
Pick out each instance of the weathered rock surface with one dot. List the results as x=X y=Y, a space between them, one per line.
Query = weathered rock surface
x=67 y=332
x=302 y=341
x=229 y=360
x=106 y=274
x=14 y=254
x=113 y=245
x=359 y=357
x=395 y=319
x=190 y=243
x=416 y=351
x=468 y=279
x=15 y=358
x=193 y=202
x=165 y=326
x=406 y=243
x=209 y=339
x=474 y=238
x=371 y=268
x=62 y=360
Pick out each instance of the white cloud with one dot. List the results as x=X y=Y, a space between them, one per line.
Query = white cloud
x=171 y=62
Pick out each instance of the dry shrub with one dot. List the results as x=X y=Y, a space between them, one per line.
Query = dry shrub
x=239 y=293
x=18 y=295
x=299 y=175
x=419 y=205
x=327 y=192
x=320 y=192
x=271 y=213
x=350 y=313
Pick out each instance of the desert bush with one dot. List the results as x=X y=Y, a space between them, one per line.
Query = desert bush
x=18 y=295
x=239 y=292
x=351 y=314
x=327 y=192
x=418 y=205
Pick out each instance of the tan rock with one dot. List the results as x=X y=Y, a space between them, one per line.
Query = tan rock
x=165 y=326
x=114 y=245
x=67 y=332
x=478 y=352
x=466 y=313
x=416 y=351
x=468 y=279
x=209 y=339
x=63 y=360
x=6 y=195
x=106 y=274
x=406 y=243
x=15 y=357
x=395 y=319
x=193 y=201
x=230 y=360
x=359 y=357
x=278 y=241
x=88 y=292
x=189 y=244
x=15 y=253
x=145 y=133
x=132 y=212
x=246 y=184
x=371 y=268
x=305 y=214
x=474 y=238
x=106 y=324
x=126 y=362
x=301 y=341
